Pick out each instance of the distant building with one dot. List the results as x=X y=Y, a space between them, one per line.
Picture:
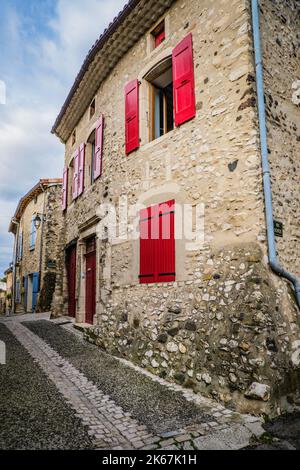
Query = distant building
x=9 y=288
x=2 y=297
x=36 y=226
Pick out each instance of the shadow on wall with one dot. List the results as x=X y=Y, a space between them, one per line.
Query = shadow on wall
x=46 y=294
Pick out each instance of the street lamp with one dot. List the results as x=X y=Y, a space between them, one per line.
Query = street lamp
x=38 y=220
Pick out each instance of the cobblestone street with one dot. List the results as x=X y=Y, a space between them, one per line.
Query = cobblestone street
x=67 y=394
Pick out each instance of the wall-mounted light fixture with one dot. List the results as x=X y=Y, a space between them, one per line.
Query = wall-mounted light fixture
x=38 y=220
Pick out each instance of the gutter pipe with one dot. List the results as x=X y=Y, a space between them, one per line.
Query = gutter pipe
x=16 y=238
x=273 y=262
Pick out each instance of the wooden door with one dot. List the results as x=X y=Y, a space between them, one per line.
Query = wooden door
x=35 y=290
x=71 y=280
x=90 y=286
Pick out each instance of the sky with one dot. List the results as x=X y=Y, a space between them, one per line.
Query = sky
x=42 y=46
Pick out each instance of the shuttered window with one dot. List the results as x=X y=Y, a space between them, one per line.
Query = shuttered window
x=157 y=243
x=97 y=160
x=159 y=34
x=81 y=164
x=64 y=195
x=75 y=175
x=32 y=234
x=184 y=81
x=132 y=136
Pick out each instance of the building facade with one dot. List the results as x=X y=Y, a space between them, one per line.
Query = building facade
x=36 y=226
x=166 y=253
x=2 y=297
x=8 y=274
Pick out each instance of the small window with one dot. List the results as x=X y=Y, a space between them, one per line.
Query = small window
x=161 y=99
x=90 y=160
x=74 y=137
x=32 y=234
x=92 y=108
x=159 y=34
x=90 y=245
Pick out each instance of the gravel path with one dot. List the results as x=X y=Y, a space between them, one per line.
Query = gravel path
x=33 y=414
x=160 y=409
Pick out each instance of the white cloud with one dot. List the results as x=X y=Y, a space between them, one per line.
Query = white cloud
x=2 y=92
x=38 y=75
x=77 y=26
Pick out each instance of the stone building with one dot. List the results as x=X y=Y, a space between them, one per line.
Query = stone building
x=2 y=297
x=9 y=287
x=36 y=226
x=162 y=125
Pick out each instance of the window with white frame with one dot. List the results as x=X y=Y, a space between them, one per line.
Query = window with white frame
x=161 y=113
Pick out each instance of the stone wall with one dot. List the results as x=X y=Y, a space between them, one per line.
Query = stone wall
x=217 y=336
x=51 y=256
x=280 y=22
x=211 y=160
x=48 y=203
x=30 y=258
x=227 y=322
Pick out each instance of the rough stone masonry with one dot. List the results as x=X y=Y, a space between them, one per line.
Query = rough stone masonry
x=227 y=327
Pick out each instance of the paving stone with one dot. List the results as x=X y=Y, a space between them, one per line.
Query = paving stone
x=114 y=428
x=152 y=440
x=185 y=437
x=170 y=434
x=52 y=363
x=231 y=438
x=167 y=442
x=187 y=446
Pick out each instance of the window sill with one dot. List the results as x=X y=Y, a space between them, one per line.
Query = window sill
x=85 y=193
x=158 y=48
x=157 y=141
x=147 y=285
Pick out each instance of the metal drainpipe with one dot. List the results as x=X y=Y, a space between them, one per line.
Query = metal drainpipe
x=13 y=297
x=274 y=264
x=42 y=239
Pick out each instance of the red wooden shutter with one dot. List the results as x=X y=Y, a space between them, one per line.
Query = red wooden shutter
x=75 y=174
x=98 y=147
x=165 y=254
x=132 y=135
x=184 y=81
x=147 y=248
x=160 y=37
x=157 y=244
x=64 y=196
x=81 y=169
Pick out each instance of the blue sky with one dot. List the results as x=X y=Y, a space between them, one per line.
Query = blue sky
x=43 y=44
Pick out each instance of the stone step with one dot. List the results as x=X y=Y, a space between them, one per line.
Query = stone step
x=82 y=326
x=19 y=309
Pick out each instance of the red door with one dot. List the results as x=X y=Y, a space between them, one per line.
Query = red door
x=71 y=278
x=90 y=283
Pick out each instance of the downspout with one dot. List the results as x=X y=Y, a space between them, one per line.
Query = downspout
x=42 y=238
x=273 y=262
x=13 y=296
